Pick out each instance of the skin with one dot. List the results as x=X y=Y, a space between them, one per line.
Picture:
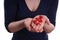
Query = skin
x=25 y=23
x=32 y=4
x=39 y=27
x=46 y=25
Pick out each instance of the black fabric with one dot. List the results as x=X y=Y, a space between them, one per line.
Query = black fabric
x=16 y=10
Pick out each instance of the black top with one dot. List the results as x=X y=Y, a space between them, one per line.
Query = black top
x=16 y=10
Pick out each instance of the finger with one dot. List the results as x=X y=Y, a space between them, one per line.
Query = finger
x=37 y=28
x=33 y=26
x=41 y=30
x=33 y=30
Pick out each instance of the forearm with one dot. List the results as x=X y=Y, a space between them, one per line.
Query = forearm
x=48 y=28
x=16 y=26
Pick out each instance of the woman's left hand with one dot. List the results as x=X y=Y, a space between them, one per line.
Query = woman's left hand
x=38 y=23
x=48 y=26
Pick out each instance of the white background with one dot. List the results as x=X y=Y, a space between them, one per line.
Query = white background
x=4 y=35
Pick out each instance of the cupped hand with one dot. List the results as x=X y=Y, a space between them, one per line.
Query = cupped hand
x=38 y=23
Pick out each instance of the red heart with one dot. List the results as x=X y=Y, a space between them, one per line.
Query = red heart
x=36 y=22
x=40 y=20
x=40 y=17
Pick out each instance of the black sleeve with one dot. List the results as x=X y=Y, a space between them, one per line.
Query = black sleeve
x=52 y=11
x=10 y=10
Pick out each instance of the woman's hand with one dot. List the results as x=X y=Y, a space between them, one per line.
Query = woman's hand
x=48 y=26
x=38 y=23
x=27 y=24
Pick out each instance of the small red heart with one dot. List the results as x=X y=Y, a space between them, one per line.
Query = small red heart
x=40 y=20
x=40 y=17
x=36 y=22
x=37 y=19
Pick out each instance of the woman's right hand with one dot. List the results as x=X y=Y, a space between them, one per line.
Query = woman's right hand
x=27 y=24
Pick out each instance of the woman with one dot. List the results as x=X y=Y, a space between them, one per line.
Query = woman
x=19 y=16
